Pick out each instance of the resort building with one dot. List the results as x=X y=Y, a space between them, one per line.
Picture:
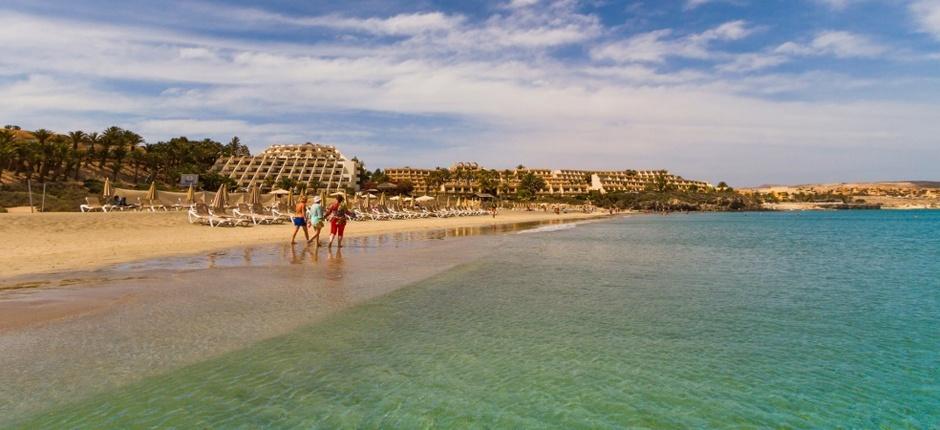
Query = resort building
x=463 y=180
x=315 y=166
x=417 y=177
x=639 y=180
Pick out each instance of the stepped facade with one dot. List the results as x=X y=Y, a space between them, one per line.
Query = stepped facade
x=318 y=167
x=563 y=182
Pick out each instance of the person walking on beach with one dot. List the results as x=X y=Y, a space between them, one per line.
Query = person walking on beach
x=339 y=215
x=315 y=218
x=300 y=219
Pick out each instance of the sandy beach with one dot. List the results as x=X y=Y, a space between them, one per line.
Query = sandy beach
x=58 y=242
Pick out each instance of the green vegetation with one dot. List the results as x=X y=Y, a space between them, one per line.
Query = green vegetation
x=529 y=186
x=676 y=200
x=73 y=165
x=122 y=155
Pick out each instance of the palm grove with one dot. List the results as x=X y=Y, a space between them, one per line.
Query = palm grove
x=122 y=155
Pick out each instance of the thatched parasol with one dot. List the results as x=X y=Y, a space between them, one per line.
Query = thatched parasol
x=221 y=199
x=191 y=195
x=107 y=190
x=254 y=195
x=152 y=192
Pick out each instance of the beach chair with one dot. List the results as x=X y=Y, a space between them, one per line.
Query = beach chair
x=93 y=204
x=150 y=205
x=200 y=213
x=276 y=211
x=245 y=212
x=258 y=210
x=234 y=219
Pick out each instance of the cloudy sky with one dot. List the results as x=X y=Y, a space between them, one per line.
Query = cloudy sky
x=747 y=91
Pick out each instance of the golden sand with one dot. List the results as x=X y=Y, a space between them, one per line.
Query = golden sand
x=57 y=242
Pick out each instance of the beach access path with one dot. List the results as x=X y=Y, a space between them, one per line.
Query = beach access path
x=62 y=241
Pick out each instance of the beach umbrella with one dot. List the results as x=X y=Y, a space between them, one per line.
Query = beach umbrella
x=254 y=195
x=448 y=201
x=382 y=200
x=458 y=202
x=152 y=192
x=107 y=190
x=424 y=199
x=290 y=198
x=221 y=198
x=368 y=201
x=395 y=198
x=323 y=198
x=190 y=195
x=279 y=192
x=387 y=186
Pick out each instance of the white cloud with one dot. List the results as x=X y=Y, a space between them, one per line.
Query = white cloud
x=656 y=46
x=526 y=106
x=693 y=4
x=752 y=62
x=837 y=4
x=841 y=44
x=927 y=16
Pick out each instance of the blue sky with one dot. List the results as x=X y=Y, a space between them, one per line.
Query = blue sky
x=747 y=91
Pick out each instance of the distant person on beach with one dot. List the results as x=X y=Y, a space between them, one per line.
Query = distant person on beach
x=315 y=217
x=493 y=210
x=300 y=219
x=340 y=215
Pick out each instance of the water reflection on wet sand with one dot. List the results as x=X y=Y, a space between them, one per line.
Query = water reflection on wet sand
x=70 y=335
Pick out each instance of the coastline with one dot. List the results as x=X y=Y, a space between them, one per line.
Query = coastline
x=144 y=319
x=61 y=242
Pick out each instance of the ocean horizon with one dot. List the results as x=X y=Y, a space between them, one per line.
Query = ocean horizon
x=717 y=320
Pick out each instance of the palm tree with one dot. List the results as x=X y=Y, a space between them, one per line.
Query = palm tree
x=110 y=138
x=76 y=138
x=7 y=141
x=42 y=137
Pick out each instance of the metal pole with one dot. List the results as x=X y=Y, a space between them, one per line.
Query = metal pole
x=43 y=197
x=29 y=187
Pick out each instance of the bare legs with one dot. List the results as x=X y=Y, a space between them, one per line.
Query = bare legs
x=316 y=237
x=294 y=237
x=339 y=244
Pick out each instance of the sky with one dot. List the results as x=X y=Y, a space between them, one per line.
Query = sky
x=745 y=91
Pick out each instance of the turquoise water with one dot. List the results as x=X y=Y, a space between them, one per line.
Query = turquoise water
x=790 y=320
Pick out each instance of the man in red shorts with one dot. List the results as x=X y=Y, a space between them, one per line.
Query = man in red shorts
x=340 y=214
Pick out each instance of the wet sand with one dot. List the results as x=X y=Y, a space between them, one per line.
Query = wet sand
x=60 y=242
x=71 y=335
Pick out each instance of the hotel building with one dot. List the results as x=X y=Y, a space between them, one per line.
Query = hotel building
x=557 y=182
x=317 y=166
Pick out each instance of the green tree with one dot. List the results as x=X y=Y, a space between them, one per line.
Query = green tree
x=286 y=183
x=529 y=186
x=43 y=137
x=488 y=181
x=437 y=178
x=7 y=149
x=404 y=187
x=110 y=138
x=76 y=138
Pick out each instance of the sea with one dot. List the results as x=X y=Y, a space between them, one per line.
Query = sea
x=718 y=320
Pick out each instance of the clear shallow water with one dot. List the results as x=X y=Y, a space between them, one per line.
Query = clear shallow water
x=806 y=320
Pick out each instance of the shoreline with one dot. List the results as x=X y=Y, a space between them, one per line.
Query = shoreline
x=60 y=242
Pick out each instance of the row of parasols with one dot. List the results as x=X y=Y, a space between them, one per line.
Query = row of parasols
x=223 y=199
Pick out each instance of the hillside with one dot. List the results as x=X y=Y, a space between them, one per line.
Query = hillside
x=888 y=194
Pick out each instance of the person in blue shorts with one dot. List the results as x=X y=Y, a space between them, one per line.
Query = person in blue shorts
x=300 y=219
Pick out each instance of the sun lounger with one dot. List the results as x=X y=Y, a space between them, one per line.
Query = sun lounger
x=244 y=211
x=257 y=209
x=202 y=214
x=93 y=204
x=151 y=205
